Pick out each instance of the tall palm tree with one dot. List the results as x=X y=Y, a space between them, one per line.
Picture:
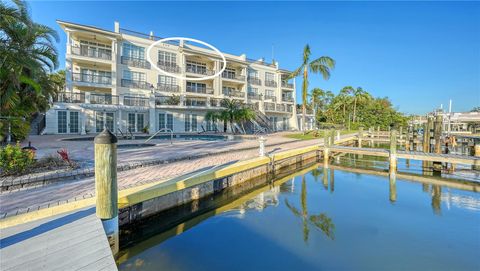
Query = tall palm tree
x=358 y=95
x=212 y=116
x=344 y=99
x=244 y=114
x=321 y=65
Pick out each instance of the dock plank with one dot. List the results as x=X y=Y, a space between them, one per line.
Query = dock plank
x=73 y=241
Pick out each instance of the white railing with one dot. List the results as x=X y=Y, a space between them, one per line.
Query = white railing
x=159 y=131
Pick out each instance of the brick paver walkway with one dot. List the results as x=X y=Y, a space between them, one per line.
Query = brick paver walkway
x=21 y=201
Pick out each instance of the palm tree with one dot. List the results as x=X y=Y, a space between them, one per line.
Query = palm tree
x=321 y=65
x=27 y=55
x=231 y=107
x=244 y=114
x=212 y=116
x=344 y=99
x=358 y=95
x=321 y=221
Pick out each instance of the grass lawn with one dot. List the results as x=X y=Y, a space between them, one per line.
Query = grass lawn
x=315 y=134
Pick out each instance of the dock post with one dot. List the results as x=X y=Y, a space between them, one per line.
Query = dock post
x=426 y=136
x=360 y=135
x=407 y=139
x=477 y=154
x=261 y=149
x=378 y=131
x=393 y=150
x=338 y=135
x=106 y=185
x=437 y=133
x=400 y=133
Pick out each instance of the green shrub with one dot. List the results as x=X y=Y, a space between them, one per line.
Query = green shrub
x=15 y=160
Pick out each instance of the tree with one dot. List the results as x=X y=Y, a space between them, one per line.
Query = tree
x=234 y=111
x=321 y=65
x=358 y=94
x=28 y=55
x=244 y=114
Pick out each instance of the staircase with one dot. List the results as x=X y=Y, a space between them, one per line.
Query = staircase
x=38 y=124
x=261 y=122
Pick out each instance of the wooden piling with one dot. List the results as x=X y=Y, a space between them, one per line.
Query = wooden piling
x=106 y=189
x=360 y=136
x=426 y=136
x=393 y=150
x=437 y=134
x=326 y=144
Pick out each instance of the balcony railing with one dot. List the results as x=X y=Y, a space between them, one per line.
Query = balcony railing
x=98 y=98
x=136 y=84
x=200 y=90
x=135 y=101
x=270 y=83
x=269 y=106
x=216 y=102
x=287 y=99
x=254 y=81
x=254 y=106
x=233 y=76
x=238 y=94
x=92 y=52
x=199 y=71
x=168 y=67
x=286 y=85
x=269 y=97
x=168 y=87
x=135 y=62
x=92 y=78
x=70 y=97
x=195 y=102
x=167 y=100
x=254 y=96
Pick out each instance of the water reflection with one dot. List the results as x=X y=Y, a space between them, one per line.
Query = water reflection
x=393 y=186
x=320 y=221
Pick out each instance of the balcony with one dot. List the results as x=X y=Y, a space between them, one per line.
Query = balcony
x=167 y=100
x=135 y=62
x=269 y=97
x=216 y=102
x=272 y=107
x=254 y=106
x=92 y=78
x=98 y=98
x=254 y=81
x=92 y=52
x=270 y=83
x=195 y=102
x=254 y=96
x=70 y=97
x=136 y=84
x=269 y=106
x=168 y=88
x=135 y=101
x=236 y=94
x=287 y=85
x=200 y=71
x=200 y=90
x=168 y=67
x=287 y=99
x=233 y=77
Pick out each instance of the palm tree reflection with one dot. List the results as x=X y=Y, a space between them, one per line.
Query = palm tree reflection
x=321 y=221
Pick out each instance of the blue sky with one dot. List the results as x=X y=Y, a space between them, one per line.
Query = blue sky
x=419 y=54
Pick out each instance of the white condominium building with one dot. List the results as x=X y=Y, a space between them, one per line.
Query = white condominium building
x=111 y=84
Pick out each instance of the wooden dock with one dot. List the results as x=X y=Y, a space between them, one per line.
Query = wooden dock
x=444 y=158
x=72 y=241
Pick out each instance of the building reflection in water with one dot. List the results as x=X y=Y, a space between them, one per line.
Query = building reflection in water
x=320 y=221
x=436 y=199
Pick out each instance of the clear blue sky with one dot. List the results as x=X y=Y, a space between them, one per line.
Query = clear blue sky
x=419 y=54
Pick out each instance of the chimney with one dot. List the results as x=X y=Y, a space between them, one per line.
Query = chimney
x=117 y=27
x=151 y=35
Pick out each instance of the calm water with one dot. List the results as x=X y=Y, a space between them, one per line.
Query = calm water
x=321 y=220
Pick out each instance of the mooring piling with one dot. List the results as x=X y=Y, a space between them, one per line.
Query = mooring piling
x=106 y=189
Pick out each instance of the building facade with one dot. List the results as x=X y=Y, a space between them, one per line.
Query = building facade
x=111 y=84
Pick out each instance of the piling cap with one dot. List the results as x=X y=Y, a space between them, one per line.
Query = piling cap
x=105 y=137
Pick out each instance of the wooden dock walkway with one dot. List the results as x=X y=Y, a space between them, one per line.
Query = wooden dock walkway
x=445 y=158
x=72 y=241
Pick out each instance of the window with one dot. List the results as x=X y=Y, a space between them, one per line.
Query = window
x=252 y=90
x=196 y=87
x=134 y=76
x=229 y=73
x=269 y=76
x=167 y=58
x=285 y=124
x=196 y=67
x=187 y=122
x=133 y=51
x=269 y=93
x=167 y=80
x=95 y=49
x=253 y=73
x=191 y=122
x=99 y=122
x=165 y=121
x=135 y=122
x=140 y=123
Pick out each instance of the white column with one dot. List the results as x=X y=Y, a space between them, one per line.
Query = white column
x=152 y=118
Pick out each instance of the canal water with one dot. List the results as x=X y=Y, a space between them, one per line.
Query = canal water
x=318 y=219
